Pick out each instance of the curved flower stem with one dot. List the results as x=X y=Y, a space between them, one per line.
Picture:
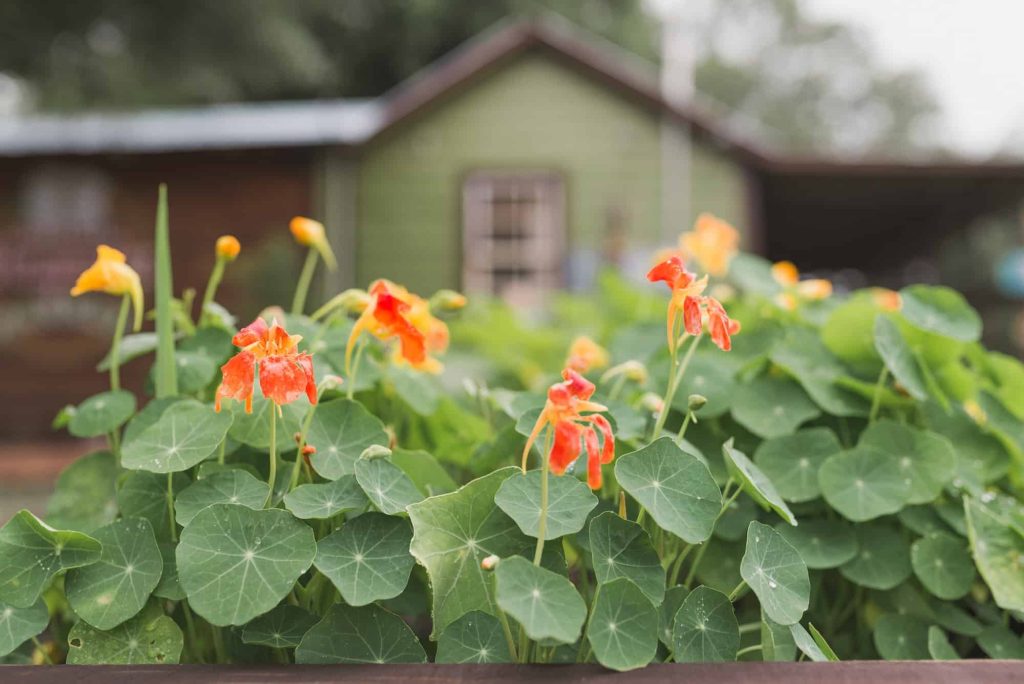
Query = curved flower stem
x=677 y=566
x=673 y=385
x=543 y=522
x=211 y=288
x=273 y=454
x=350 y=392
x=581 y=657
x=302 y=286
x=686 y=424
x=617 y=386
x=748 y=649
x=302 y=444
x=115 y=345
x=704 y=547
x=876 y=402
x=736 y=591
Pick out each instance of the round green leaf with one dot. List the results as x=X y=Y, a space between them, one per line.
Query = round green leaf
x=976 y=450
x=882 y=560
x=938 y=645
x=705 y=628
x=18 y=625
x=418 y=390
x=670 y=605
x=1000 y=643
x=806 y=643
x=102 y=413
x=546 y=604
x=803 y=355
x=940 y=310
x=195 y=371
x=116 y=587
x=253 y=429
x=143 y=640
x=132 y=346
x=187 y=433
x=83 y=498
x=942 y=564
x=283 y=627
x=623 y=626
x=323 y=501
x=755 y=483
x=862 y=483
x=822 y=543
x=621 y=548
x=792 y=462
x=144 y=495
x=901 y=637
x=998 y=550
x=675 y=488
x=368 y=634
x=955 y=619
x=476 y=637
x=236 y=563
x=773 y=406
x=169 y=587
x=452 y=533
x=150 y=413
x=922 y=520
x=569 y=503
x=774 y=570
x=33 y=552
x=423 y=469
x=899 y=358
x=709 y=377
x=368 y=558
x=732 y=526
x=926 y=460
x=387 y=487
x=341 y=430
x=233 y=486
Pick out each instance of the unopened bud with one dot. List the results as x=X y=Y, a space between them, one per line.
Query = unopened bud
x=308 y=450
x=490 y=562
x=632 y=370
x=351 y=301
x=448 y=300
x=652 y=402
x=695 y=402
x=228 y=247
x=375 y=451
x=330 y=382
x=622 y=505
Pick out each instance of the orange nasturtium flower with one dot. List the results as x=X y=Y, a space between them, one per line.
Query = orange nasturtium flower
x=394 y=312
x=688 y=297
x=712 y=243
x=285 y=372
x=563 y=412
x=886 y=299
x=112 y=274
x=794 y=289
x=585 y=354
x=310 y=233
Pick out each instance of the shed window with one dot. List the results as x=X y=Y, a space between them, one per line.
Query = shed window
x=65 y=199
x=513 y=234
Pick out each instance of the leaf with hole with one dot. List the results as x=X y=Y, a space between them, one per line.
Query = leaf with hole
x=674 y=487
x=942 y=563
x=546 y=604
x=368 y=558
x=901 y=637
x=341 y=430
x=883 y=558
x=18 y=625
x=621 y=548
x=452 y=533
x=102 y=413
x=863 y=483
x=569 y=503
x=792 y=462
x=186 y=434
x=476 y=638
x=349 y=635
x=144 y=640
x=774 y=570
x=231 y=486
x=236 y=563
x=117 y=586
x=755 y=483
x=34 y=552
x=623 y=626
x=926 y=460
x=705 y=628
x=773 y=406
x=940 y=310
x=323 y=501
x=283 y=627
x=822 y=543
x=387 y=487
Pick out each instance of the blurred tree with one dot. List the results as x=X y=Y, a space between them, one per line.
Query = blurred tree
x=125 y=53
x=806 y=85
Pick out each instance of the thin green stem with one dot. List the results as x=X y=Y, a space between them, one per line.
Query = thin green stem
x=674 y=380
x=507 y=630
x=524 y=646
x=222 y=451
x=704 y=547
x=42 y=650
x=677 y=566
x=351 y=380
x=748 y=649
x=115 y=344
x=736 y=591
x=190 y=627
x=170 y=507
x=299 y=459
x=641 y=515
x=580 y=655
x=686 y=424
x=211 y=288
x=876 y=402
x=748 y=627
x=218 y=645
x=273 y=454
x=302 y=286
x=542 y=524
x=617 y=386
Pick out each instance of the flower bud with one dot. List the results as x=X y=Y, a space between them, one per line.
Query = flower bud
x=306 y=231
x=228 y=247
x=375 y=451
x=448 y=300
x=330 y=382
x=632 y=370
x=695 y=402
x=308 y=450
x=652 y=402
x=490 y=562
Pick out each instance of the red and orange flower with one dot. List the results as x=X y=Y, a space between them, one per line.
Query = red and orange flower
x=688 y=297
x=285 y=373
x=563 y=412
x=795 y=290
x=395 y=313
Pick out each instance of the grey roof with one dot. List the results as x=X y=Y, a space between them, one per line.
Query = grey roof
x=278 y=124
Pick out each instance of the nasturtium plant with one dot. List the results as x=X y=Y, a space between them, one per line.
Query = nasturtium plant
x=756 y=468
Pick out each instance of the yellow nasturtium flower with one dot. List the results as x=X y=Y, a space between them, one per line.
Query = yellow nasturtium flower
x=111 y=274
x=585 y=354
x=712 y=244
x=795 y=290
x=228 y=247
x=310 y=233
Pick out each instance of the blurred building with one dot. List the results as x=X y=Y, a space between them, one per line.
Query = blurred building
x=520 y=163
